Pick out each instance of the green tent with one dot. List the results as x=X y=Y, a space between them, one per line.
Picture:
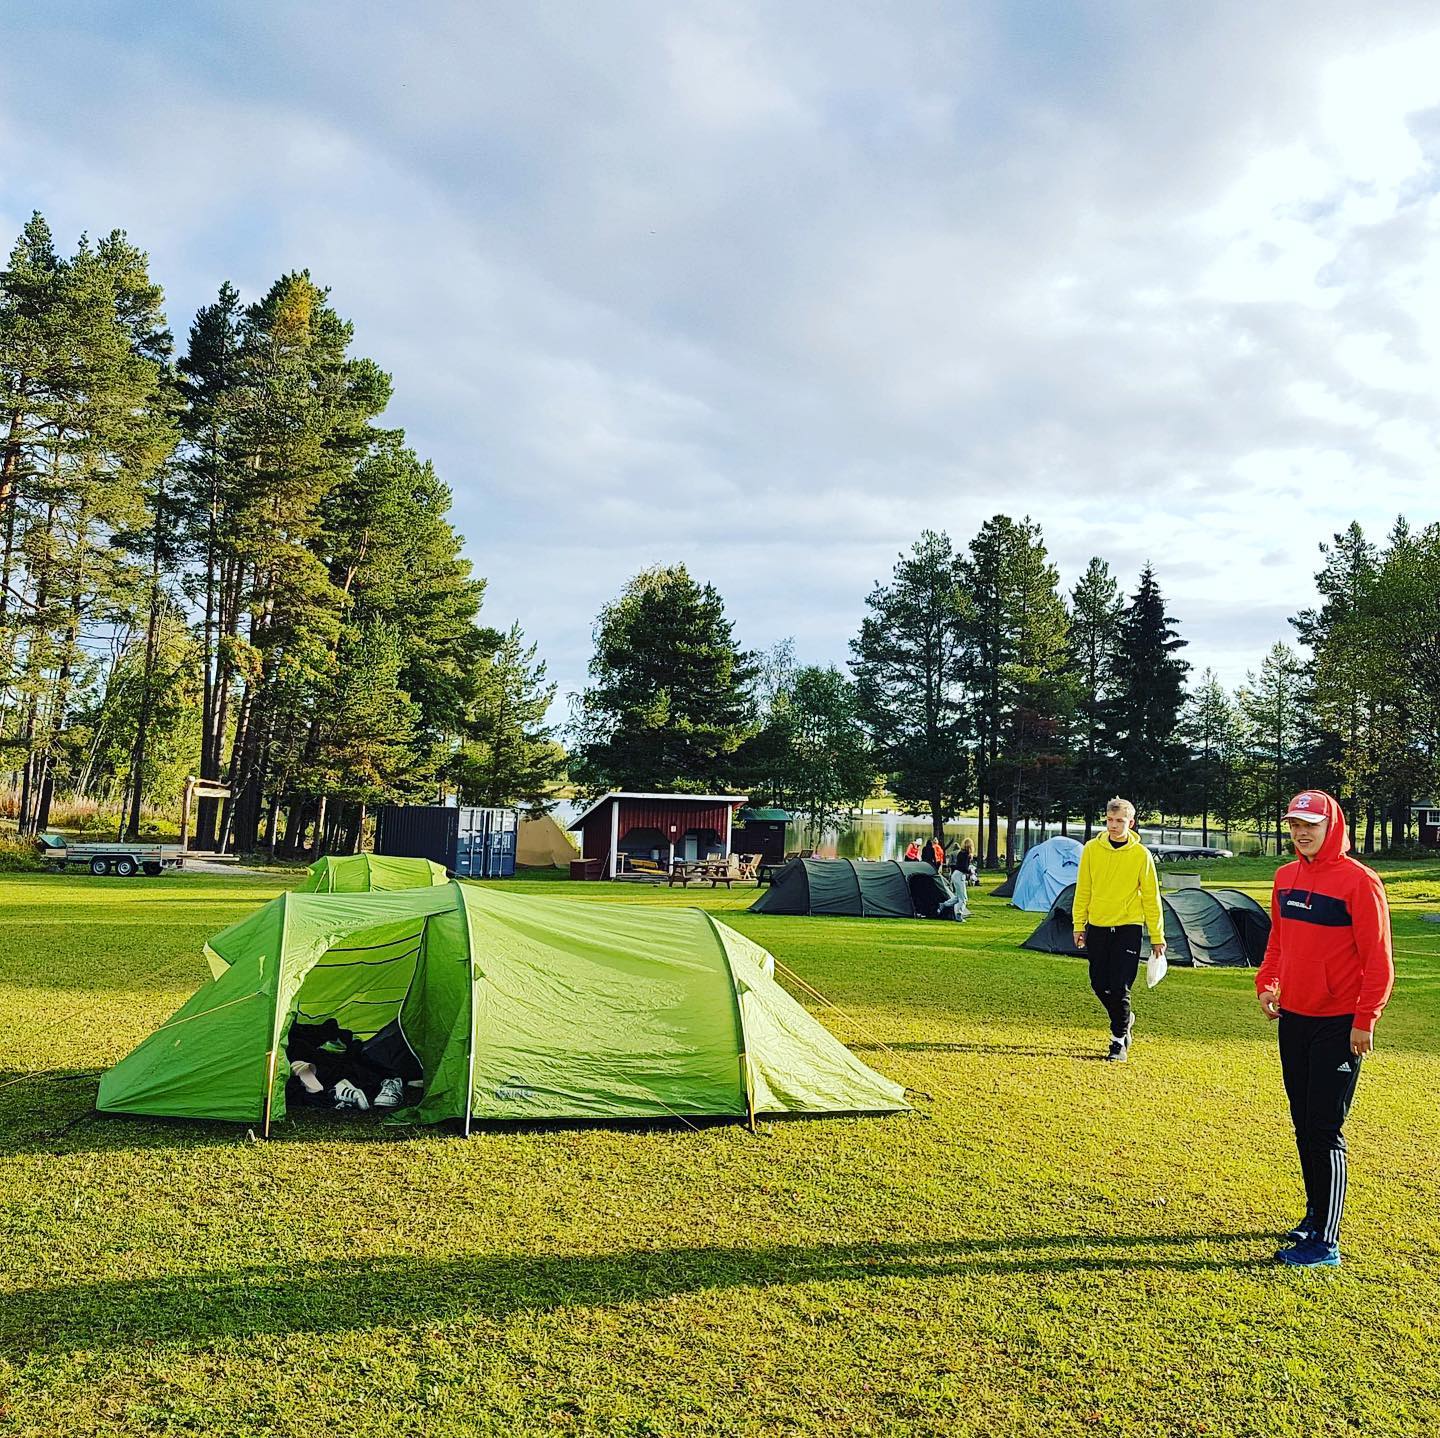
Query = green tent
x=867 y=888
x=370 y=874
x=518 y=1008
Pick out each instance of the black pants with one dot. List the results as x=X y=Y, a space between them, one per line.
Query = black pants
x=1114 y=954
x=1320 y=1074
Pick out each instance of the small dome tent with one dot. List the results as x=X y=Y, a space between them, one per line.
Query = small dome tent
x=518 y=1008
x=860 y=888
x=1047 y=869
x=1201 y=928
x=370 y=874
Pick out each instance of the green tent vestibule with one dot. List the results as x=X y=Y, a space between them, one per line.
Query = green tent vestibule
x=518 y=1008
x=370 y=874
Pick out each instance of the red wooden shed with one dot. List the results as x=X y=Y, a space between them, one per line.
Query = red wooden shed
x=662 y=827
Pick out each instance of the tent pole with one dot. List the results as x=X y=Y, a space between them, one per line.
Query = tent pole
x=269 y=1089
x=749 y=1092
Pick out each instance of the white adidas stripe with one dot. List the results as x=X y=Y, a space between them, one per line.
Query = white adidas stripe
x=1339 y=1174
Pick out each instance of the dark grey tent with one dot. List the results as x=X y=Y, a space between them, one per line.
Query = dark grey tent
x=1201 y=928
x=1251 y=920
x=1007 y=889
x=891 y=889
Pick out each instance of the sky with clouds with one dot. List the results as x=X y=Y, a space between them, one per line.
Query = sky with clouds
x=769 y=288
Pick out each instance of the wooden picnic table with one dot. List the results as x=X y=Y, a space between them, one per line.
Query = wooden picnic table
x=717 y=871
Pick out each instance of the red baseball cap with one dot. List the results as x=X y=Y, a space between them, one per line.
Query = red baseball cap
x=1309 y=806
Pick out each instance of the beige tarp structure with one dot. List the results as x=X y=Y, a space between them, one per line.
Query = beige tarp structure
x=542 y=844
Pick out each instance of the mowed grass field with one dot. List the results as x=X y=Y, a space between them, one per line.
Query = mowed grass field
x=1049 y=1245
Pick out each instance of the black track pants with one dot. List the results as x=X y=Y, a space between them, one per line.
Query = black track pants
x=1320 y=1074
x=1114 y=955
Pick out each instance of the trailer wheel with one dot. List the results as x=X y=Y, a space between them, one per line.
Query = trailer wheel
x=99 y=866
x=125 y=866
x=152 y=869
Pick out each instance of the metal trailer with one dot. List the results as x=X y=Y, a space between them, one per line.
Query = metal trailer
x=119 y=858
x=470 y=843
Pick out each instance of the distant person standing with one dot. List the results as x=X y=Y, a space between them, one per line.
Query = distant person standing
x=935 y=854
x=1327 y=974
x=1116 y=891
x=963 y=864
x=912 y=851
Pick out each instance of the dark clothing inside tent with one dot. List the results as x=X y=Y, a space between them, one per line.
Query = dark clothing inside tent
x=857 y=887
x=1203 y=927
x=928 y=891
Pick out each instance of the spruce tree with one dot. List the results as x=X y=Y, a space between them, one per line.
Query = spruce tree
x=1142 y=715
x=1095 y=609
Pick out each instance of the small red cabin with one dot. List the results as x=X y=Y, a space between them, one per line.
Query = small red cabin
x=660 y=827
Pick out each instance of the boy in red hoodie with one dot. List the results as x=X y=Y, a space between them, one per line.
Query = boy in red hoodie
x=1327 y=974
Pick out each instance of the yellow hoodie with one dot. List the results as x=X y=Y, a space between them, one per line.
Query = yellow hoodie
x=1118 y=886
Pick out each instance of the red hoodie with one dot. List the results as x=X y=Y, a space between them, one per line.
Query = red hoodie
x=1329 y=949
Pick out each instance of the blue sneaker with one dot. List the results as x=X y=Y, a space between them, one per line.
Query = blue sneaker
x=1304 y=1231
x=1310 y=1254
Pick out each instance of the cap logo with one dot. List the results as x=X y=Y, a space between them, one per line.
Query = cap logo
x=1303 y=802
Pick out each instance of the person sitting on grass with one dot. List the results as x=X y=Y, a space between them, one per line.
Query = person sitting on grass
x=1326 y=976
x=1116 y=890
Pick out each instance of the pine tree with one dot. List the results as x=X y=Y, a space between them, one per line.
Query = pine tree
x=1269 y=706
x=1211 y=729
x=909 y=667
x=671 y=698
x=1015 y=636
x=510 y=755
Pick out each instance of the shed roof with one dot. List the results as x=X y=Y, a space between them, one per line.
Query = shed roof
x=677 y=798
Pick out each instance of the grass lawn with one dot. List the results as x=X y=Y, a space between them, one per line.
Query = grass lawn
x=1051 y=1245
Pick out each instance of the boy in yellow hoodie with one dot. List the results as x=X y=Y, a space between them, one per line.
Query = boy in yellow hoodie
x=1116 y=892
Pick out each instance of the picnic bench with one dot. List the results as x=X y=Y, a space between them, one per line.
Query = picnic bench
x=717 y=871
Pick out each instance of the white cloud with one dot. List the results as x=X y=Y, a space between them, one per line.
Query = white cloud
x=769 y=289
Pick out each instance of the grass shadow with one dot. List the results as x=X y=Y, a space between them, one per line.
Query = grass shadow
x=1058 y=1051
x=340 y=1295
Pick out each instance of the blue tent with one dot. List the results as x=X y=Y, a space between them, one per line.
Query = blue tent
x=1048 y=868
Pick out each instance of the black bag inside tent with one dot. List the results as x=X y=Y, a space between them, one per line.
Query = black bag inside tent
x=1201 y=929
x=858 y=887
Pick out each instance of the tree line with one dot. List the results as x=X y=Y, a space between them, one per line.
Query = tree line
x=217 y=559
x=976 y=684
x=222 y=562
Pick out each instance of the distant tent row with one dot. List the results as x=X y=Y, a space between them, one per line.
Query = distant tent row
x=859 y=888
x=1203 y=927
x=517 y=1007
x=1043 y=874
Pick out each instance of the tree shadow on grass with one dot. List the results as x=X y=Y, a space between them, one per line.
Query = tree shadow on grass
x=340 y=1295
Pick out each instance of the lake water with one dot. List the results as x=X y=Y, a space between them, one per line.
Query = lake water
x=886 y=836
